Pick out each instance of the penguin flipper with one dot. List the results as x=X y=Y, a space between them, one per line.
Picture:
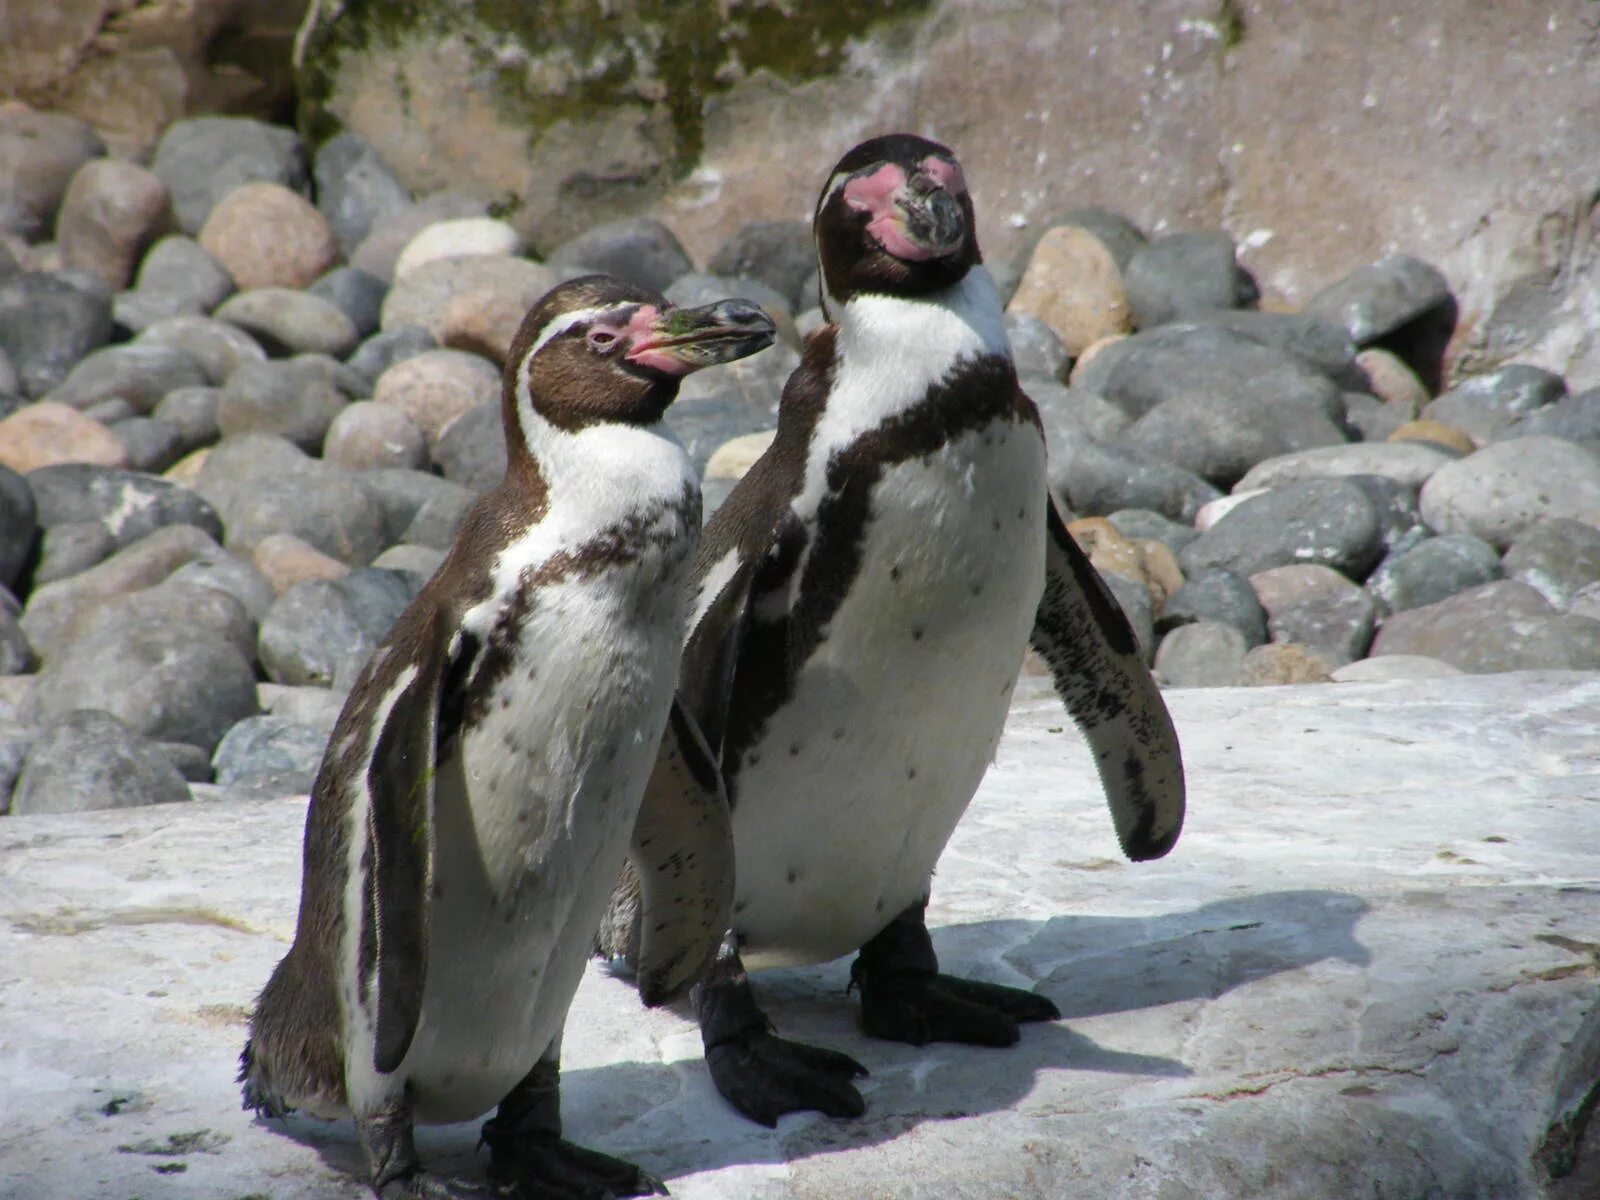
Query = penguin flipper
x=1103 y=681
x=682 y=858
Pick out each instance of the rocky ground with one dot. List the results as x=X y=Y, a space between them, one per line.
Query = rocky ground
x=247 y=392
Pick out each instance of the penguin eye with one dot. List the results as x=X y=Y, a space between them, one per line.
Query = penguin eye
x=602 y=339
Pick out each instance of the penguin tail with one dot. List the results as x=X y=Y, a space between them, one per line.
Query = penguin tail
x=617 y=940
x=256 y=1089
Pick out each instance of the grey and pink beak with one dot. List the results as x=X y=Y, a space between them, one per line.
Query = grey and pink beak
x=916 y=216
x=676 y=341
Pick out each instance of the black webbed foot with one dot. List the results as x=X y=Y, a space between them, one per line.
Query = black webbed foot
x=759 y=1073
x=393 y=1170
x=425 y=1185
x=543 y=1166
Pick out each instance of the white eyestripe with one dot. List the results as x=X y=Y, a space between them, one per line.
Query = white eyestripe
x=563 y=323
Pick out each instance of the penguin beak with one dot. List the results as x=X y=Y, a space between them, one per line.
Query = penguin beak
x=930 y=217
x=681 y=340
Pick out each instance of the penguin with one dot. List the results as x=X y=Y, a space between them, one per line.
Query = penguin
x=863 y=601
x=480 y=786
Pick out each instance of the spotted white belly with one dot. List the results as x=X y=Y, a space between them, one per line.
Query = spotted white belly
x=846 y=803
x=534 y=816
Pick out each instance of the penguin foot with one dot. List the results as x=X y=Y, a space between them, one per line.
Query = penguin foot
x=386 y=1139
x=920 y=1008
x=764 y=1076
x=545 y=1167
x=425 y=1185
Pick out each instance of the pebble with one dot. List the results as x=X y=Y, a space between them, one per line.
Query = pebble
x=42 y=151
x=1097 y=478
x=1186 y=273
x=482 y=322
x=283 y=321
x=1317 y=343
x=286 y=398
x=46 y=433
x=1279 y=663
x=1219 y=437
x=87 y=760
x=1074 y=287
x=378 y=251
x=284 y=560
x=1370 y=419
x=19 y=525
x=1073 y=412
x=1508 y=486
x=755 y=382
x=232 y=576
x=1574 y=418
x=436 y=387
x=112 y=210
x=16 y=657
x=734 y=458
x=382 y=350
x=180 y=271
x=1336 y=626
x=420 y=561
x=138 y=373
x=192 y=411
x=424 y=298
x=1133 y=597
x=402 y=494
x=204 y=159
x=639 y=249
x=1485 y=406
x=355 y=189
x=67 y=550
x=1201 y=654
x=1501 y=626
x=1216 y=594
x=368 y=434
x=463 y=237
x=130 y=505
x=781 y=254
x=1392 y=667
x=1438 y=433
x=1558 y=558
x=322 y=632
x=270 y=754
x=219 y=347
x=1280 y=588
x=703 y=423
x=438 y=519
x=1327 y=521
x=1410 y=463
x=316 y=707
x=1392 y=380
x=1036 y=349
x=1381 y=298
x=1149 y=525
x=267 y=236
x=48 y=322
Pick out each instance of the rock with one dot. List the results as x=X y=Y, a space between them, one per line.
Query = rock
x=1370 y=419
x=1185 y=273
x=1317 y=343
x=472 y=451
x=1073 y=412
x=203 y=160
x=420 y=561
x=438 y=519
x=316 y=707
x=1393 y=666
x=755 y=382
x=88 y=760
x=1133 y=597
x=734 y=458
x=1280 y=588
x=1392 y=380
x=191 y=762
x=1572 y=418
x=1221 y=438
x=290 y=322
x=438 y=386
x=67 y=550
x=322 y=632
x=270 y=754
x=50 y=321
x=1335 y=626
x=1327 y=521
x=1035 y=348
x=382 y=350
x=1149 y=525
x=424 y=298
x=356 y=294
x=19 y=525
x=1200 y=654
x=402 y=494
x=166 y=661
x=1280 y=663
x=192 y=411
x=1408 y=463
x=180 y=270
x=219 y=347
x=639 y=249
x=1215 y=594
x=129 y=505
x=1501 y=626
x=369 y=434
x=380 y=249
x=112 y=210
x=1485 y=406
x=267 y=236
x=1557 y=558
x=46 y=433
x=1399 y=517
x=464 y=237
x=1213 y=511
x=15 y=739
x=1379 y=299
x=40 y=152
x=1508 y=486
x=701 y=424
x=1073 y=285
x=283 y=560
x=483 y=323
x=16 y=658
x=1097 y=478
x=232 y=577
x=140 y=374
x=1437 y=432
x=780 y=254
x=284 y=398
x=355 y=190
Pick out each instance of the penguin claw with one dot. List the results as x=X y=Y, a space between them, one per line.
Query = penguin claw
x=546 y=1167
x=425 y=1185
x=919 y=1008
x=764 y=1077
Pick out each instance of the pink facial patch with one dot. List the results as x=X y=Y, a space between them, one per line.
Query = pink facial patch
x=642 y=339
x=947 y=173
x=877 y=195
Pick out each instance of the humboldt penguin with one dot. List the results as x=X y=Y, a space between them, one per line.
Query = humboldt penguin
x=863 y=601
x=480 y=787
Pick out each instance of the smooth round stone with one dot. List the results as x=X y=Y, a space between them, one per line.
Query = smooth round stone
x=1277 y=664
x=317 y=707
x=356 y=294
x=1120 y=236
x=1501 y=626
x=1217 y=595
x=15 y=741
x=109 y=410
x=321 y=633
x=1392 y=380
x=472 y=451
x=463 y=237
x=436 y=387
x=42 y=151
x=267 y=236
x=1408 y=463
x=290 y=322
x=640 y=250
x=1213 y=511
x=88 y=760
x=1185 y=273
x=112 y=210
x=1508 y=486
x=153 y=445
x=159 y=661
x=1487 y=406
x=1586 y=602
x=377 y=252
x=269 y=752
x=1279 y=588
x=1149 y=525
x=1220 y=438
x=219 y=347
x=368 y=434
x=438 y=519
x=1391 y=667
x=703 y=424
x=401 y=494
x=192 y=411
x=424 y=298
x=1035 y=347
x=734 y=458
x=1133 y=598
x=1097 y=478
x=1073 y=285
x=352 y=384
x=482 y=322
x=139 y=373
x=283 y=398
x=420 y=561
x=1327 y=521
x=1381 y=297
x=231 y=576
x=1436 y=433
x=756 y=382
x=19 y=525
x=16 y=655
x=1069 y=413
x=355 y=188
x=781 y=254
x=68 y=550
x=1336 y=626
x=382 y=350
x=283 y=560
x=193 y=763
x=1572 y=418
x=1370 y=419
x=204 y=159
x=1319 y=344
x=47 y=433
x=1200 y=654
x=48 y=322
x=1399 y=516
x=180 y=269
x=1558 y=558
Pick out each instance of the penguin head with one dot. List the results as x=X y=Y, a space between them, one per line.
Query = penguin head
x=894 y=218
x=598 y=349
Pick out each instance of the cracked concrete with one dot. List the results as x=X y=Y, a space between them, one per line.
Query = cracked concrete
x=1368 y=969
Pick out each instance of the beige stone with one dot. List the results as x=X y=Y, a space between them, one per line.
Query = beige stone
x=437 y=386
x=1278 y=588
x=1161 y=567
x=284 y=560
x=47 y=433
x=112 y=211
x=1279 y=663
x=266 y=235
x=1393 y=382
x=1437 y=432
x=187 y=469
x=1089 y=352
x=482 y=322
x=425 y=297
x=40 y=152
x=734 y=458
x=1073 y=284
x=463 y=237
x=367 y=434
x=1109 y=550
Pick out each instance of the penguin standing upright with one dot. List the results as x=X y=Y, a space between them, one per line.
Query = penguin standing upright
x=863 y=601
x=479 y=788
